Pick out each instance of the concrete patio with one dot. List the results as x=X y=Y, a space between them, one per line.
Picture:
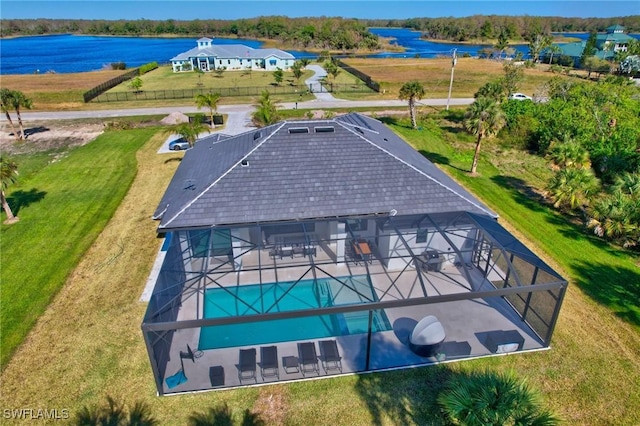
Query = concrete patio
x=470 y=326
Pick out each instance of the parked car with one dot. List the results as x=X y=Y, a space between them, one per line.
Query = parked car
x=520 y=97
x=179 y=144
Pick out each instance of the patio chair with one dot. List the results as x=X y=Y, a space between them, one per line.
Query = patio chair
x=308 y=358
x=330 y=356
x=269 y=362
x=247 y=365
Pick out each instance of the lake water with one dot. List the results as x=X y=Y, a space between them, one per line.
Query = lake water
x=70 y=53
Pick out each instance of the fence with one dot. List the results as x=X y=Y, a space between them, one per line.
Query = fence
x=103 y=87
x=373 y=85
x=329 y=87
x=228 y=92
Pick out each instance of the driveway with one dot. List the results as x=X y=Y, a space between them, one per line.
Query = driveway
x=319 y=91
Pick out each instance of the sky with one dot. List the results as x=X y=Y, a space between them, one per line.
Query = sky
x=372 y=9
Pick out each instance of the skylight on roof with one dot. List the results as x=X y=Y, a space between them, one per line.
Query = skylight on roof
x=298 y=130
x=324 y=129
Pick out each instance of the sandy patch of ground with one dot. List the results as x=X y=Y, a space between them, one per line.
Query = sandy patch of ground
x=47 y=136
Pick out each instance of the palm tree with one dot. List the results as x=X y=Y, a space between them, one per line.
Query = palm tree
x=209 y=100
x=304 y=62
x=483 y=118
x=412 y=91
x=572 y=187
x=215 y=416
x=8 y=175
x=569 y=154
x=189 y=131
x=553 y=49
x=494 y=399
x=493 y=90
x=115 y=414
x=16 y=101
x=222 y=416
x=617 y=215
x=266 y=112
x=6 y=103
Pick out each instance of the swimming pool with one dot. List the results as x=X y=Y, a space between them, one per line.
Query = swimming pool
x=288 y=296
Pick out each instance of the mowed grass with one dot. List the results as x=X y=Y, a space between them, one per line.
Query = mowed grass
x=163 y=78
x=88 y=343
x=63 y=205
x=435 y=74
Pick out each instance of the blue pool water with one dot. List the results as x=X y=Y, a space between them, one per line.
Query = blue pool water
x=288 y=296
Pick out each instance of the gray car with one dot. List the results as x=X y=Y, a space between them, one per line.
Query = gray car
x=179 y=144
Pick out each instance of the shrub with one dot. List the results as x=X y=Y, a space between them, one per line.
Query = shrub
x=556 y=69
x=118 y=66
x=493 y=399
x=147 y=67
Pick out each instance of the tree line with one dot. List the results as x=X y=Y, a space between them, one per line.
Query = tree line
x=316 y=33
x=324 y=32
x=516 y=28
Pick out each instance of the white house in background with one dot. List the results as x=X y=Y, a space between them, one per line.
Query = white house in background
x=208 y=57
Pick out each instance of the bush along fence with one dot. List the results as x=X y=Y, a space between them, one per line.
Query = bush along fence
x=368 y=81
x=103 y=87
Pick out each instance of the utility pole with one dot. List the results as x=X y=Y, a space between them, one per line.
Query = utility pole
x=453 y=66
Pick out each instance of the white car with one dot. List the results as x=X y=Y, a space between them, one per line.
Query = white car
x=520 y=97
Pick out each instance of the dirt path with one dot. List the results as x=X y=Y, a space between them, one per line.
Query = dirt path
x=45 y=136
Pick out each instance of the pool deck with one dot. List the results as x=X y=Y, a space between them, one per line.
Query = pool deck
x=468 y=324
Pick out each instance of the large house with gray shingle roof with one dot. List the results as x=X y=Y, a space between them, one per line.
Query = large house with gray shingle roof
x=331 y=231
x=208 y=57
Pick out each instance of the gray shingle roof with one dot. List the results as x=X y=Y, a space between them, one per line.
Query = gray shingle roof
x=230 y=51
x=361 y=167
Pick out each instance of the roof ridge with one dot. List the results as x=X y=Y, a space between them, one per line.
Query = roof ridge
x=419 y=171
x=204 y=191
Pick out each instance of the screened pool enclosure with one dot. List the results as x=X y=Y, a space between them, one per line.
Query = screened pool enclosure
x=269 y=302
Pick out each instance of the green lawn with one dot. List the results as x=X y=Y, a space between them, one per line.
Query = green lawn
x=163 y=78
x=63 y=206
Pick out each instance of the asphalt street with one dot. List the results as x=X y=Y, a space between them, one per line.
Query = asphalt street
x=243 y=109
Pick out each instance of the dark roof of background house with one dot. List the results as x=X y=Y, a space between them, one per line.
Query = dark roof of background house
x=350 y=165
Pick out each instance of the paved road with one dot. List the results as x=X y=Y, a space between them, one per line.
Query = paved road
x=243 y=109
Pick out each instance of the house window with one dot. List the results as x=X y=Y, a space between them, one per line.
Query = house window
x=220 y=61
x=228 y=61
x=273 y=62
x=421 y=236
